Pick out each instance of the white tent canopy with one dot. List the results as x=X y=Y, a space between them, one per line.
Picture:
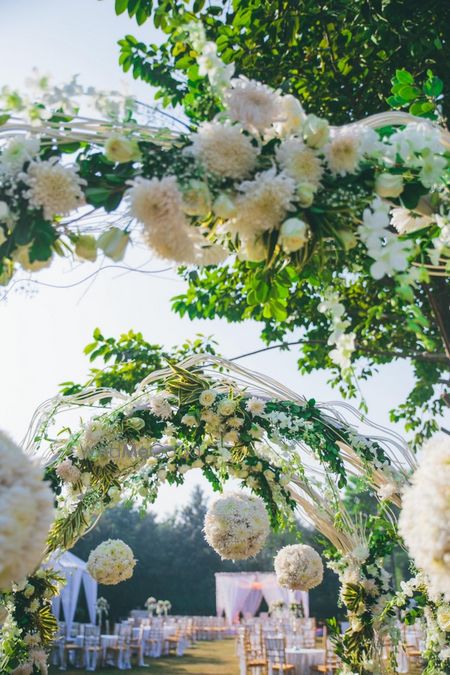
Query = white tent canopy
x=74 y=570
x=242 y=592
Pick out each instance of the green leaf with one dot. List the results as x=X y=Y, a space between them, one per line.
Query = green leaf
x=403 y=76
x=4 y=118
x=408 y=92
x=120 y=6
x=433 y=87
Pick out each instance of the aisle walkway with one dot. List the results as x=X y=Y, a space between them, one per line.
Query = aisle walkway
x=205 y=658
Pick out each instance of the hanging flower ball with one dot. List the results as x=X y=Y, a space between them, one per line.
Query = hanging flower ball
x=298 y=567
x=111 y=562
x=26 y=508
x=426 y=509
x=236 y=526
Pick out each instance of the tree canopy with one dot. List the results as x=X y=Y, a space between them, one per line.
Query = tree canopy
x=344 y=61
x=338 y=57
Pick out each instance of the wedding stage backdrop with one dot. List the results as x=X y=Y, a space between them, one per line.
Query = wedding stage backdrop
x=242 y=592
x=74 y=571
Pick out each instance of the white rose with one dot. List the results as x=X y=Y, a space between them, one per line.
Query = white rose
x=305 y=194
x=252 y=250
x=389 y=185
x=196 y=199
x=162 y=475
x=184 y=468
x=443 y=617
x=28 y=590
x=197 y=464
x=316 y=131
x=226 y=407
x=292 y=115
x=207 y=397
x=4 y=211
x=120 y=149
x=113 y=243
x=86 y=247
x=21 y=255
x=293 y=235
x=224 y=207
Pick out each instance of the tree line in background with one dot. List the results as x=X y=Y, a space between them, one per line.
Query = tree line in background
x=174 y=562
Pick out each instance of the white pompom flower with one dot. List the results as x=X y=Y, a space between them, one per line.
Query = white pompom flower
x=237 y=526
x=426 y=510
x=255 y=105
x=224 y=150
x=111 y=562
x=298 y=567
x=27 y=513
x=158 y=205
x=299 y=162
x=262 y=204
x=344 y=151
x=53 y=187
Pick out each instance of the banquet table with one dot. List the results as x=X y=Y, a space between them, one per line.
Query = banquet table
x=303 y=659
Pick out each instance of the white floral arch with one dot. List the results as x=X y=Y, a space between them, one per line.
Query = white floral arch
x=209 y=413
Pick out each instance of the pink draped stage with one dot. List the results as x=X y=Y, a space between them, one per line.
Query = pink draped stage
x=242 y=592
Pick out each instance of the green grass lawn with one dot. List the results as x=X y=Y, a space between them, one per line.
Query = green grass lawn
x=204 y=658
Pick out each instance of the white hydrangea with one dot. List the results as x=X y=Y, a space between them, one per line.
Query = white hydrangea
x=53 y=187
x=236 y=526
x=421 y=138
x=16 y=152
x=262 y=204
x=26 y=505
x=224 y=150
x=111 y=562
x=425 y=517
x=299 y=162
x=255 y=105
x=298 y=567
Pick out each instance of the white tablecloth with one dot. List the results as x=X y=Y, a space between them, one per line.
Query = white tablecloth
x=302 y=659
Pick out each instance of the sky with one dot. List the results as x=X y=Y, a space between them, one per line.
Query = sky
x=43 y=329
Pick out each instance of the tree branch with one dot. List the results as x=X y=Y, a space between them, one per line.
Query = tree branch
x=438 y=296
x=425 y=356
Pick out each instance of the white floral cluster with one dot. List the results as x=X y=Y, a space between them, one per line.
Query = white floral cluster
x=44 y=99
x=209 y=63
x=344 y=342
x=426 y=509
x=111 y=562
x=436 y=614
x=298 y=567
x=102 y=442
x=389 y=252
x=27 y=513
x=419 y=146
x=159 y=205
x=236 y=526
